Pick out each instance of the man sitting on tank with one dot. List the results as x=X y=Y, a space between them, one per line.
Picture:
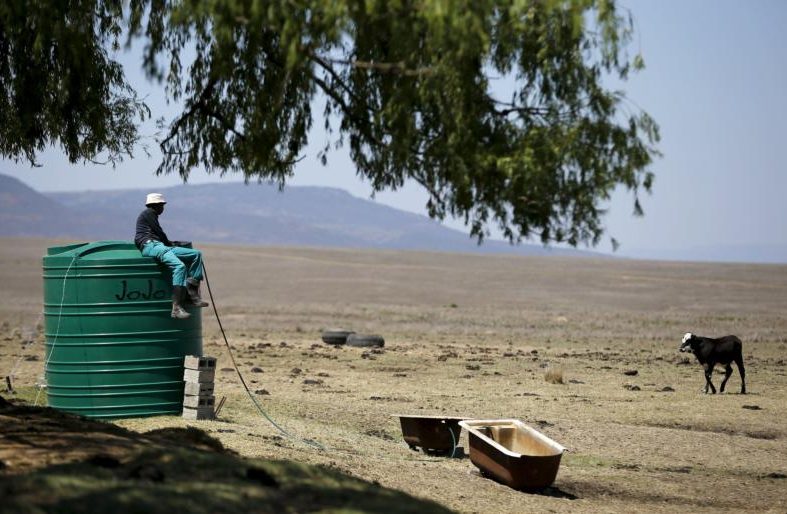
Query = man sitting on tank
x=185 y=263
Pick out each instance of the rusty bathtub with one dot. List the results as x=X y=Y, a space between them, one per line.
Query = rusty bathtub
x=513 y=453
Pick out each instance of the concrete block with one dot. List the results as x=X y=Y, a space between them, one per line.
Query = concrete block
x=193 y=375
x=199 y=401
x=199 y=389
x=198 y=413
x=203 y=363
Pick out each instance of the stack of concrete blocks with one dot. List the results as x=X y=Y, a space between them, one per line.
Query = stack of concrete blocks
x=198 y=399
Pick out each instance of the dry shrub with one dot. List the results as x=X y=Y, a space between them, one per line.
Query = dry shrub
x=554 y=375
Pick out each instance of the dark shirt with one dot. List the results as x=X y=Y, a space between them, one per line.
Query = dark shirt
x=149 y=228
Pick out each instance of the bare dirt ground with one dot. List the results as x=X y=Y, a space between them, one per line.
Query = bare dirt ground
x=474 y=336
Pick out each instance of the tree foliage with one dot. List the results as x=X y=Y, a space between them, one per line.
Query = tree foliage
x=58 y=84
x=409 y=86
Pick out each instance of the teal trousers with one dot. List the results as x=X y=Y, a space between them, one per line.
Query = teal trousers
x=183 y=262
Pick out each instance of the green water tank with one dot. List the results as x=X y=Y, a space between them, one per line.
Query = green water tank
x=112 y=349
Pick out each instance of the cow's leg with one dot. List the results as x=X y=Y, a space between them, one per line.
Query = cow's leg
x=708 y=375
x=741 y=372
x=705 y=372
x=727 y=374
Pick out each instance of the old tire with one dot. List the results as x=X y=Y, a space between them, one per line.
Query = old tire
x=336 y=336
x=365 y=341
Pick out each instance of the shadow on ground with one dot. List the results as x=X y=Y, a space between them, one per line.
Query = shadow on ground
x=58 y=463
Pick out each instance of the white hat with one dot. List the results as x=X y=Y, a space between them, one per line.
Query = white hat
x=155 y=198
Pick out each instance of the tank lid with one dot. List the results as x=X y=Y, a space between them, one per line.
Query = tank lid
x=99 y=250
x=55 y=250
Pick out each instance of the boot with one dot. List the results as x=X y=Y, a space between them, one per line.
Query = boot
x=192 y=286
x=178 y=293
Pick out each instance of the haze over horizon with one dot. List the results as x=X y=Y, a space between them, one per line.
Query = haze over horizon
x=714 y=81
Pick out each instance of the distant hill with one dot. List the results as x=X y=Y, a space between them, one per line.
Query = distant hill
x=256 y=214
x=25 y=212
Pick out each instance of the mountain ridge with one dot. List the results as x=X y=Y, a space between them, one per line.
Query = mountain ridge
x=237 y=213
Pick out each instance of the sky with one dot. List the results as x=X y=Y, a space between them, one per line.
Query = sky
x=715 y=81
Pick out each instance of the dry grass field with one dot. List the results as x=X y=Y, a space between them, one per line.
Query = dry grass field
x=475 y=336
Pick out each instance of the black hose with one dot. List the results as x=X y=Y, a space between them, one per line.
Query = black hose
x=240 y=375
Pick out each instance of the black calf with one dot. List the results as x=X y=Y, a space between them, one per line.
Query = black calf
x=710 y=352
